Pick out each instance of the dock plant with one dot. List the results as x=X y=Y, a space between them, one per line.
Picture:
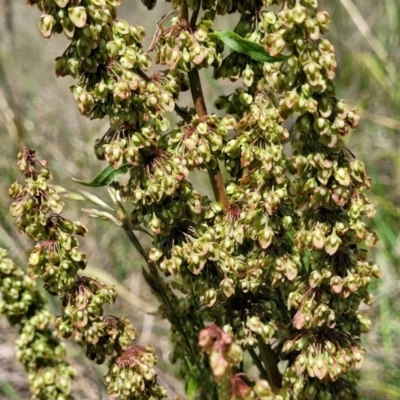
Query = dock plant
x=262 y=281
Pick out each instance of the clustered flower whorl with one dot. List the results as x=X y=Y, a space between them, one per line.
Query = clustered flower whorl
x=57 y=259
x=280 y=261
x=38 y=347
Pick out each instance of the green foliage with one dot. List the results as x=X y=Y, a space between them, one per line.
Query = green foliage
x=56 y=259
x=247 y=47
x=105 y=177
x=278 y=261
x=38 y=348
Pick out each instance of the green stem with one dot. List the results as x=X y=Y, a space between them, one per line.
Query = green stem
x=158 y=285
x=180 y=112
x=271 y=366
x=195 y=14
x=134 y=240
x=261 y=369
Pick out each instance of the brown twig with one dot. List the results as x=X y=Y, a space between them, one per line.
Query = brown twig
x=215 y=175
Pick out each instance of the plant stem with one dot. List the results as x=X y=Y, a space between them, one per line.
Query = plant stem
x=267 y=356
x=195 y=14
x=254 y=356
x=160 y=289
x=271 y=366
x=159 y=285
x=215 y=175
x=134 y=240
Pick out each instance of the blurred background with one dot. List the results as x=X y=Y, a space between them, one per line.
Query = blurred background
x=38 y=110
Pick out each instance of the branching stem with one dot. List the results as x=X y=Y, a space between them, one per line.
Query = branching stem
x=158 y=285
x=215 y=175
x=217 y=181
x=256 y=359
x=271 y=366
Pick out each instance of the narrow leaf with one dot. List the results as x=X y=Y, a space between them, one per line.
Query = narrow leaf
x=105 y=177
x=96 y=200
x=192 y=388
x=190 y=368
x=94 y=213
x=253 y=50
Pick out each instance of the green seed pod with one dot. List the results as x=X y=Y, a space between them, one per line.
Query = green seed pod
x=46 y=25
x=78 y=16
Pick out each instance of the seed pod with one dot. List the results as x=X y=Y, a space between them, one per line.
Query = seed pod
x=78 y=16
x=46 y=25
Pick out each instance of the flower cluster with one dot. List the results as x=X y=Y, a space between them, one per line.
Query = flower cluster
x=280 y=259
x=184 y=48
x=223 y=351
x=199 y=144
x=38 y=348
x=319 y=233
x=224 y=354
x=134 y=367
x=328 y=206
x=56 y=259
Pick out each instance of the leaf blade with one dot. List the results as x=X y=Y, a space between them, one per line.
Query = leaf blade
x=192 y=388
x=240 y=45
x=105 y=177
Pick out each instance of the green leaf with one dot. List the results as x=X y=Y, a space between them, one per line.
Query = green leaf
x=192 y=388
x=105 y=177
x=190 y=368
x=9 y=391
x=253 y=50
